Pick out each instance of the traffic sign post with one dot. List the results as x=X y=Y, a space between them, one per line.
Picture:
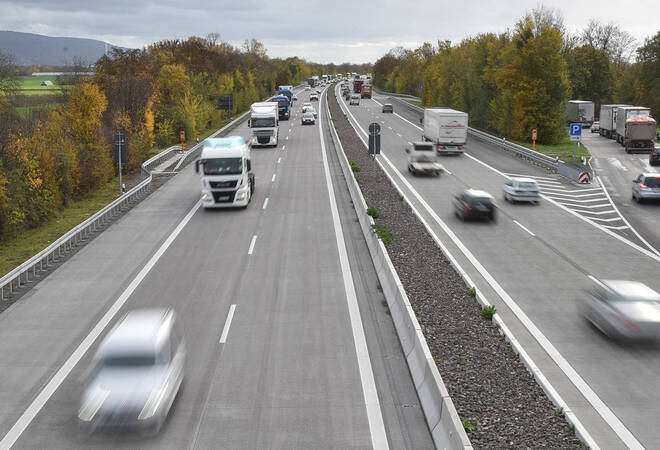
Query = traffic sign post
x=534 y=134
x=120 y=147
x=182 y=136
x=575 y=131
x=374 y=141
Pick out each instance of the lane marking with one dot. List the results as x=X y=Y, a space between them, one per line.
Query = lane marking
x=448 y=172
x=399 y=134
x=603 y=410
x=374 y=413
x=523 y=227
x=46 y=393
x=287 y=138
x=225 y=330
x=272 y=180
x=252 y=242
x=284 y=146
x=279 y=160
x=265 y=203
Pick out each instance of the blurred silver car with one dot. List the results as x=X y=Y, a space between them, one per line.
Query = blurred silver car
x=136 y=374
x=624 y=310
x=518 y=189
x=646 y=186
x=308 y=118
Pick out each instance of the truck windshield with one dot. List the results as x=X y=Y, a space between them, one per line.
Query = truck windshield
x=283 y=102
x=266 y=122
x=223 y=166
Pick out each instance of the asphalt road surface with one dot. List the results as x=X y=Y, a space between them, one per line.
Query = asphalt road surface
x=288 y=374
x=534 y=264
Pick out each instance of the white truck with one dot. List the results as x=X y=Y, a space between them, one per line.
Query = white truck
x=580 y=111
x=447 y=129
x=635 y=128
x=608 y=120
x=226 y=172
x=264 y=121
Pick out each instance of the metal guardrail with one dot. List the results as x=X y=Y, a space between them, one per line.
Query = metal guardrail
x=523 y=152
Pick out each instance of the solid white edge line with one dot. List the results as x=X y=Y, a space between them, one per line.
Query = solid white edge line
x=374 y=413
x=252 y=242
x=523 y=227
x=225 y=329
x=265 y=203
x=601 y=408
x=44 y=395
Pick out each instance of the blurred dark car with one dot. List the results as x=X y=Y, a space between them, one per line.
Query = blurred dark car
x=474 y=204
x=654 y=157
x=387 y=108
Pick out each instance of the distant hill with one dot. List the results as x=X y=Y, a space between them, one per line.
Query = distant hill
x=29 y=49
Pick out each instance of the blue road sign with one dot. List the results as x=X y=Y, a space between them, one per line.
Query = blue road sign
x=576 y=131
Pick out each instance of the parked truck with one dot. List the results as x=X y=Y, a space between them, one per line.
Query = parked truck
x=357 y=86
x=635 y=128
x=264 y=123
x=366 y=91
x=284 y=104
x=447 y=129
x=226 y=172
x=608 y=120
x=580 y=111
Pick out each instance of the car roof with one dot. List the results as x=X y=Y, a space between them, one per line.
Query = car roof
x=141 y=331
x=478 y=193
x=632 y=290
x=523 y=180
x=651 y=175
x=387 y=104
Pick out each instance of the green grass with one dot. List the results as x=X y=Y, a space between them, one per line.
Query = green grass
x=24 y=111
x=413 y=102
x=21 y=248
x=29 y=85
x=564 y=149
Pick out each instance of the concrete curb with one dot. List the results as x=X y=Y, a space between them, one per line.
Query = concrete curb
x=545 y=384
x=441 y=416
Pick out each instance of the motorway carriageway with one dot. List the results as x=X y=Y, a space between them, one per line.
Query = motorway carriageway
x=269 y=298
x=533 y=265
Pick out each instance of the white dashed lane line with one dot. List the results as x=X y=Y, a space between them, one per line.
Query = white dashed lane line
x=265 y=203
x=252 y=242
x=272 y=180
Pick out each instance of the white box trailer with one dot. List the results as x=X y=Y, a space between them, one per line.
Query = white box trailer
x=264 y=122
x=580 y=111
x=608 y=120
x=446 y=128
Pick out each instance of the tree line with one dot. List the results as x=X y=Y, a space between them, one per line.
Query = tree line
x=151 y=94
x=521 y=79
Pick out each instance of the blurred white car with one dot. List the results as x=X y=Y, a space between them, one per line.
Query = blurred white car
x=624 y=310
x=136 y=374
x=313 y=96
x=521 y=190
x=308 y=118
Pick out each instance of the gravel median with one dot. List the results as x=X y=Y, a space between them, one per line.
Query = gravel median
x=498 y=400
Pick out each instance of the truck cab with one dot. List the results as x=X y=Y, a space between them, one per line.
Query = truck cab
x=226 y=173
x=264 y=123
x=283 y=106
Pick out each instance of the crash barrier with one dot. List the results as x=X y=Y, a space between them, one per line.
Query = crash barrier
x=576 y=172
x=441 y=416
x=502 y=143
x=31 y=269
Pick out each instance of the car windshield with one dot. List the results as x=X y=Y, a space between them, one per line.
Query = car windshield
x=652 y=181
x=223 y=166
x=479 y=200
x=129 y=361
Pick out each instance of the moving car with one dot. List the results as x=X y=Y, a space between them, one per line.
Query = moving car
x=308 y=118
x=307 y=88
x=388 y=108
x=595 y=127
x=654 y=156
x=355 y=99
x=422 y=159
x=646 y=186
x=309 y=108
x=624 y=310
x=136 y=374
x=518 y=189
x=474 y=204
x=314 y=96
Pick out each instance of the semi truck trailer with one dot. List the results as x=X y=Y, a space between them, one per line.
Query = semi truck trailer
x=226 y=173
x=608 y=120
x=580 y=111
x=447 y=129
x=635 y=128
x=366 y=91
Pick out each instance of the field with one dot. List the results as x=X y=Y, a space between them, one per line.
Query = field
x=30 y=85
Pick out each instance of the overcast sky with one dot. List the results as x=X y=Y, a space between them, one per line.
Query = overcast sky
x=336 y=31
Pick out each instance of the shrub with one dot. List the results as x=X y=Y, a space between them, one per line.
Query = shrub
x=373 y=212
x=383 y=233
x=354 y=166
x=487 y=312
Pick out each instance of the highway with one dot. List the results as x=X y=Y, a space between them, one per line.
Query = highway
x=309 y=357
x=533 y=264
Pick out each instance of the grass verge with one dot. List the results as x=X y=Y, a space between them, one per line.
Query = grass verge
x=563 y=150
x=21 y=248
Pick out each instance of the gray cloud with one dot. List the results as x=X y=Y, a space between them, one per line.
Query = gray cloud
x=338 y=32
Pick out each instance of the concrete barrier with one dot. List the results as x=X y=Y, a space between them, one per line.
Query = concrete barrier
x=441 y=416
